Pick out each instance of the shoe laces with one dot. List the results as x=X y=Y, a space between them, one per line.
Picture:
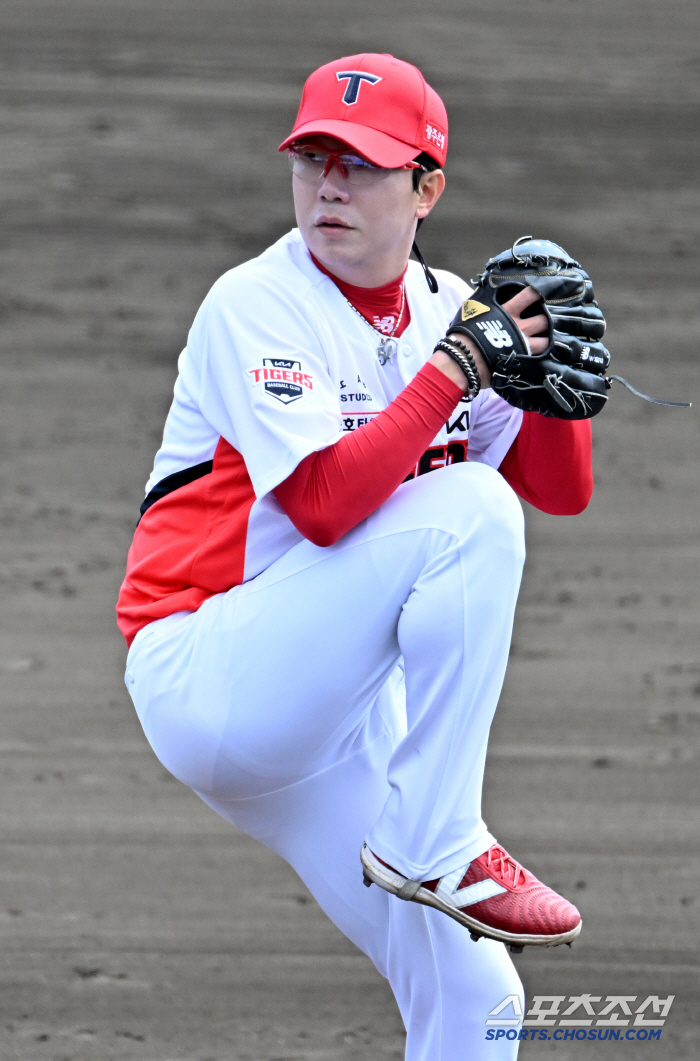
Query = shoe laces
x=501 y=862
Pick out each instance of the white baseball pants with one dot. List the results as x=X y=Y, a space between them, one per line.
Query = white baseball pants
x=280 y=703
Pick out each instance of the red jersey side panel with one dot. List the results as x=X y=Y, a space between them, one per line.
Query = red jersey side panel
x=189 y=545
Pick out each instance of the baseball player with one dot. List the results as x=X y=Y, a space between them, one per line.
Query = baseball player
x=318 y=628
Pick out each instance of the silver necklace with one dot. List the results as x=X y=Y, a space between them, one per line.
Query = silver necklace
x=387 y=344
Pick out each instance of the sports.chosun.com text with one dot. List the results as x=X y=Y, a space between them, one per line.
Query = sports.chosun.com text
x=573 y=1033
x=560 y=1018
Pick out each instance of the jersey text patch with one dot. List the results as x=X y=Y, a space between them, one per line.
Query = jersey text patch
x=439 y=457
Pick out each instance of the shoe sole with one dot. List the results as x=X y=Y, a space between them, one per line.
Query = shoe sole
x=391 y=881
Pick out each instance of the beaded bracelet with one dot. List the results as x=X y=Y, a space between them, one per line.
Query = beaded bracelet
x=470 y=358
x=462 y=356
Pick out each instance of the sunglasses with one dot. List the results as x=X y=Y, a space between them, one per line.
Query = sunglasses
x=311 y=164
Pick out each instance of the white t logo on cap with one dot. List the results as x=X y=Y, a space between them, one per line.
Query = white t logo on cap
x=354 y=79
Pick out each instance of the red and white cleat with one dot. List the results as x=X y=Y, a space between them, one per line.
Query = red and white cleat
x=492 y=896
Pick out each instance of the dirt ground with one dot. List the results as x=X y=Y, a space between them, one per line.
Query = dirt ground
x=138 y=163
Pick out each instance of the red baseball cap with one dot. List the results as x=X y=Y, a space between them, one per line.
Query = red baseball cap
x=379 y=105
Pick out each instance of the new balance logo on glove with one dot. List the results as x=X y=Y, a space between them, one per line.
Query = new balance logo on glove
x=495 y=333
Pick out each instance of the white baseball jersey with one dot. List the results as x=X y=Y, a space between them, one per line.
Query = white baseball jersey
x=277 y=366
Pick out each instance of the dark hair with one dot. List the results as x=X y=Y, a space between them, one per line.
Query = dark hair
x=430 y=164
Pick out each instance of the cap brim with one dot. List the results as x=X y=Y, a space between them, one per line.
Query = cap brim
x=378 y=147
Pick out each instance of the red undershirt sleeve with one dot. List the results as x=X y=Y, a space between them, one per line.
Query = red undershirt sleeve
x=334 y=489
x=549 y=464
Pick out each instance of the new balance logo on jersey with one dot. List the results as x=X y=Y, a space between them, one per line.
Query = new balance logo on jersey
x=495 y=333
x=384 y=324
x=282 y=379
x=354 y=80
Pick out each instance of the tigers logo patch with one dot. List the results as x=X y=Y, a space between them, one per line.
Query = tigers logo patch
x=282 y=379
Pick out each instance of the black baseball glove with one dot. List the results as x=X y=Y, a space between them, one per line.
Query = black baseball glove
x=567 y=380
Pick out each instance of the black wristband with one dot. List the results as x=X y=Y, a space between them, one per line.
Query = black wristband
x=462 y=356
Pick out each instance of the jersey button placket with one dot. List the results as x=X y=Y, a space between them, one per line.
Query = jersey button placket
x=404 y=363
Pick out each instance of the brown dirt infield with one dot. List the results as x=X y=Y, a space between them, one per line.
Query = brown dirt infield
x=139 y=163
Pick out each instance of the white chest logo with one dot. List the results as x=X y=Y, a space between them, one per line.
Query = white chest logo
x=496 y=334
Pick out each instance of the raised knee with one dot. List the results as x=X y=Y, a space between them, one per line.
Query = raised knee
x=470 y=501
x=484 y=492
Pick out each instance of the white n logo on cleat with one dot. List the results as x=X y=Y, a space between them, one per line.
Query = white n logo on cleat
x=495 y=333
x=447 y=889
